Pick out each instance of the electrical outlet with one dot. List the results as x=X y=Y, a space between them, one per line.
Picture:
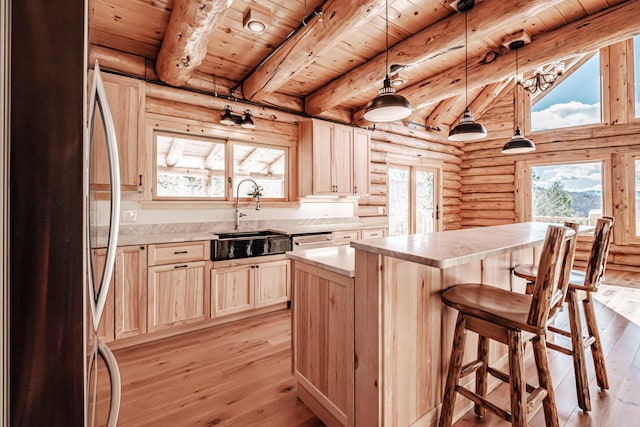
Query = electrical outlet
x=129 y=215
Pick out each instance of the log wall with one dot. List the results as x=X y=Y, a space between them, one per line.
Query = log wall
x=493 y=185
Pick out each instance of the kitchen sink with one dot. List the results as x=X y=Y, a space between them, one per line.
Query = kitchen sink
x=245 y=244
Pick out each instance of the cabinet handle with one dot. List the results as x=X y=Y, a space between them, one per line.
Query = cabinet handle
x=181 y=266
x=257 y=266
x=139 y=180
x=142 y=248
x=253 y=266
x=180 y=252
x=355 y=189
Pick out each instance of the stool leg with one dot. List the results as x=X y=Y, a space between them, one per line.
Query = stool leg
x=577 y=345
x=517 y=380
x=453 y=375
x=596 y=347
x=481 y=373
x=544 y=379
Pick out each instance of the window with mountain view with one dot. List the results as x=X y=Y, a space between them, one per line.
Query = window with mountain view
x=567 y=191
x=575 y=101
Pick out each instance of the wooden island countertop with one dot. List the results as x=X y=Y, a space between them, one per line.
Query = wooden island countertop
x=371 y=336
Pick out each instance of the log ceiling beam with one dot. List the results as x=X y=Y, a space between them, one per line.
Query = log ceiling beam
x=438 y=39
x=185 y=40
x=338 y=21
x=583 y=36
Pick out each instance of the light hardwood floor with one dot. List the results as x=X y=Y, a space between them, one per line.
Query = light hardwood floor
x=239 y=375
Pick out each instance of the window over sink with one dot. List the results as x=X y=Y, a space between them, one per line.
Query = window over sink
x=189 y=167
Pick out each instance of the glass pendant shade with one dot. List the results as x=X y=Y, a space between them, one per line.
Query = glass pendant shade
x=468 y=129
x=387 y=106
x=518 y=144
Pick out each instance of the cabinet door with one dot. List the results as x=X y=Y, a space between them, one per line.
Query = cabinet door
x=361 y=179
x=272 y=282
x=106 y=328
x=341 y=159
x=323 y=179
x=126 y=98
x=232 y=290
x=175 y=295
x=131 y=291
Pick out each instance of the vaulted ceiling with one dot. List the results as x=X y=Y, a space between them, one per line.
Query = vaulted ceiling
x=330 y=64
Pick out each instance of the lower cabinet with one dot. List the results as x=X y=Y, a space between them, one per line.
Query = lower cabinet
x=176 y=295
x=125 y=311
x=242 y=285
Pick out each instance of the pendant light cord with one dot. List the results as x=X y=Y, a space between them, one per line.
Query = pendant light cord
x=466 y=64
x=517 y=90
x=386 y=70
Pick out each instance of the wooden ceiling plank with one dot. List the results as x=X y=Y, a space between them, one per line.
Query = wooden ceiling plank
x=488 y=97
x=433 y=41
x=303 y=48
x=185 y=41
x=586 y=35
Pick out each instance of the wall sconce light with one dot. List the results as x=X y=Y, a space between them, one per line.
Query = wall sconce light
x=234 y=119
x=256 y=19
x=542 y=81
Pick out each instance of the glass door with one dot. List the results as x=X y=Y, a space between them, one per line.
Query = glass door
x=413 y=199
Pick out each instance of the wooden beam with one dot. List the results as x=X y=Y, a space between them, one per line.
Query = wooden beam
x=438 y=39
x=585 y=35
x=185 y=40
x=338 y=21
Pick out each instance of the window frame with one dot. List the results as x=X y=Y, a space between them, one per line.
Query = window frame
x=634 y=230
x=524 y=186
x=229 y=173
x=437 y=169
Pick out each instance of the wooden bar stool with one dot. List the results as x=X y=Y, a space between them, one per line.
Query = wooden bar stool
x=513 y=319
x=581 y=285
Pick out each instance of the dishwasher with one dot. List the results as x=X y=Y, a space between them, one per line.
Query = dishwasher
x=311 y=241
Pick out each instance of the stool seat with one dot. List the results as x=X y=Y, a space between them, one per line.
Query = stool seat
x=499 y=306
x=529 y=272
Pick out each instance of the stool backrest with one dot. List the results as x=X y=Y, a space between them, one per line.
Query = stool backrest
x=599 y=252
x=548 y=278
x=571 y=242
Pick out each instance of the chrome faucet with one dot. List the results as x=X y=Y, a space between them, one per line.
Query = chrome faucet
x=256 y=196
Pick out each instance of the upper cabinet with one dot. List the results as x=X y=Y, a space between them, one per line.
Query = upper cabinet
x=334 y=159
x=126 y=101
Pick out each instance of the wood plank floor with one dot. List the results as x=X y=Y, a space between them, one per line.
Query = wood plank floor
x=239 y=375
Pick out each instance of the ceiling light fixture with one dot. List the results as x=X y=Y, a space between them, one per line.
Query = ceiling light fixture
x=256 y=19
x=230 y=119
x=542 y=81
x=388 y=105
x=518 y=143
x=468 y=129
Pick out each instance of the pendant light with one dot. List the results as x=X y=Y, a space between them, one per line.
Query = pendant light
x=388 y=105
x=518 y=143
x=468 y=129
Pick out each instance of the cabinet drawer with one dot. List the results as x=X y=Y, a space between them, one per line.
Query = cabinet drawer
x=345 y=237
x=372 y=233
x=169 y=253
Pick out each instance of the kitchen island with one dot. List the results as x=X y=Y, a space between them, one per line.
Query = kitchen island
x=377 y=354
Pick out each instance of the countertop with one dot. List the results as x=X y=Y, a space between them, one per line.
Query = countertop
x=190 y=236
x=338 y=259
x=455 y=247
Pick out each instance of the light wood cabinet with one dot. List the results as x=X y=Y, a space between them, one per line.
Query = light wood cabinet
x=125 y=312
x=333 y=159
x=372 y=233
x=361 y=162
x=344 y=237
x=243 y=285
x=130 y=291
x=176 y=295
x=106 y=328
x=177 y=281
x=323 y=342
x=126 y=102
